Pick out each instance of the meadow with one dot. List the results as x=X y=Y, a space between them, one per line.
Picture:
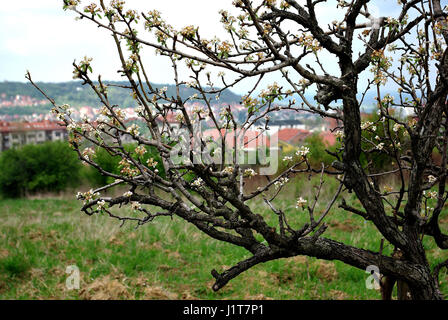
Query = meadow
x=167 y=258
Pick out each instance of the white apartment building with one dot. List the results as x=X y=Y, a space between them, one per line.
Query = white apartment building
x=21 y=133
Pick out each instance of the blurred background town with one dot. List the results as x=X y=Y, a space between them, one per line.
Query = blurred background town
x=25 y=116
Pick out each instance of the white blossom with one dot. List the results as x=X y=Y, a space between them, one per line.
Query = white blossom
x=180 y=117
x=303 y=151
x=397 y=127
x=140 y=110
x=163 y=90
x=133 y=130
x=380 y=146
x=249 y=173
x=301 y=203
x=136 y=205
x=281 y=182
x=432 y=194
x=88 y=152
x=151 y=163
x=140 y=150
x=365 y=125
x=87 y=196
x=101 y=204
x=198 y=182
x=71 y=127
x=339 y=134
x=432 y=179
x=228 y=170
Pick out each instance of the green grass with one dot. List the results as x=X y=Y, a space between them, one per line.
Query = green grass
x=167 y=258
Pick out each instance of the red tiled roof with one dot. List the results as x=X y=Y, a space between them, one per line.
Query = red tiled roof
x=330 y=123
x=252 y=139
x=170 y=118
x=328 y=138
x=31 y=126
x=292 y=135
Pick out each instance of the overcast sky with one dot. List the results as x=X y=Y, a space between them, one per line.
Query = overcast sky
x=41 y=37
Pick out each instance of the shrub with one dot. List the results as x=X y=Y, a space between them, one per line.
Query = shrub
x=52 y=166
x=107 y=162
x=376 y=160
x=15 y=266
x=317 y=150
x=110 y=163
x=13 y=176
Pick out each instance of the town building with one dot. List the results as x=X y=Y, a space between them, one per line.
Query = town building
x=277 y=125
x=20 y=133
x=292 y=136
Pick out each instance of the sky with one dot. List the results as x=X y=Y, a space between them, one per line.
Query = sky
x=41 y=37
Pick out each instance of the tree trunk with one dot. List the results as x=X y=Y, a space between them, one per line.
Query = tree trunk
x=425 y=291
x=403 y=291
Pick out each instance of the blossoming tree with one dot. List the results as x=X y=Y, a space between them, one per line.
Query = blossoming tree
x=407 y=52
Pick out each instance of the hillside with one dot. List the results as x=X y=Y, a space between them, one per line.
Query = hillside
x=75 y=94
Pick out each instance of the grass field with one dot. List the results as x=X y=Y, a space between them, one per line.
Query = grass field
x=166 y=259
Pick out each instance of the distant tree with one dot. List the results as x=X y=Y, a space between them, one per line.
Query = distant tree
x=12 y=176
x=408 y=50
x=69 y=92
x=48 y=167
x=321 y=151
x=111 y=163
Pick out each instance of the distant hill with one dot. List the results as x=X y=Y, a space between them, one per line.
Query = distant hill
x=75 y=94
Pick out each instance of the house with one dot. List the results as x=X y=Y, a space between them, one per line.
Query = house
x=21 y=133
x=328 y=138
x=169 y=119
x=330 y=124
x=251 y=147
x=249 y=140
x=289 y=138
x=292 y=136
x=277 y=125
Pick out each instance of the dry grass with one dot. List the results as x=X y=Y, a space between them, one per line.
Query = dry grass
x=167 y=259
